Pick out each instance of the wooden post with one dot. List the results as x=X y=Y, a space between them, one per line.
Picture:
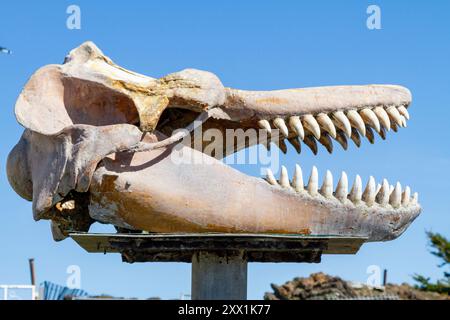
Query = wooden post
x=219 y=276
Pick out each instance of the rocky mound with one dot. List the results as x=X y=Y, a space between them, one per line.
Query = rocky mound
x=320 y=286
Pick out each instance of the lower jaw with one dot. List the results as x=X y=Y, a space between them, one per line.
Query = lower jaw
x=153 y=191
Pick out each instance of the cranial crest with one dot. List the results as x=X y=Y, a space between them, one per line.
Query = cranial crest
x=98 y=142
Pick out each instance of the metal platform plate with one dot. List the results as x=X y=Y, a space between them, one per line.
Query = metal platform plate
x=180 y=247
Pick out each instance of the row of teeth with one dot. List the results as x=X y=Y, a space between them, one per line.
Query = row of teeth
x=383 y=193
x=338 y=125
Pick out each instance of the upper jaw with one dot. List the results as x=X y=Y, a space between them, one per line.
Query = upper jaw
x=284 y=103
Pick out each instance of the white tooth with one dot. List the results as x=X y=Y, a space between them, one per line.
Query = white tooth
x=327 y=186
x=391 y=188
x=383 y=133
x=342 y=122
x=370 y=118
x=415 y=199
x=383 y=195
x=369 y=194
x=326 y=141
x=264 y=124
x=369 y=135
x=271 y=178
x=297 y=181
x=296 y=125
x=378 y=188
x=326 y=123
x=394 y=115
x=282 y=145
x=342 y=187
x=394 y=127
x=284 y=178
x=357 y=121
x=280 y=124
x=396 y=196
x=383 y=117
x=356 y=192
x=296 y=144
x=403 y=121
x=311 y=143
x=355 y=137
x=311 y=124
x=313 y=183
x=402 y=110
x=340 y=137
x=406 y=196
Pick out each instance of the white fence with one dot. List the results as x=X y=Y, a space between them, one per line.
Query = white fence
x=18 y=292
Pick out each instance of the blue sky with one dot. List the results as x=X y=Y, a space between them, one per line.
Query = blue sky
x=256 y=45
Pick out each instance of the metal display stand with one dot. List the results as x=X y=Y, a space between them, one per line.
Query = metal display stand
x=219 y=260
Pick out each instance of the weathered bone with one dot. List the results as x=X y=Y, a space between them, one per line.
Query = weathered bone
x=99 y=145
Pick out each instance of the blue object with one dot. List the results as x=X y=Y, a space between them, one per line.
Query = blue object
x=56 y=292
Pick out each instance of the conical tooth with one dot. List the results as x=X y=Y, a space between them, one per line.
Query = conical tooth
x=356 y=192
x=325 y=122
x=383 y=117
x=394 y=127
x=297 y=180
x=342 y=122
x=357 y=122
x=342 y=187
x=296 y=144
x=264 y=124
x=313 y=183
x=327 y=186
x=296 y=125
x=370 y=118
x=415 y=198
x=325 y=140
x=281 y=125
x=394 y=115
x=383 y=133
x=284 y=178
x=369 y=135
x=369 y=193
x=396 y=196
x=282 y=145
x=402 y=110
x=406 y=195
x=342 y=139
x=403 y=121
x=311 y=124
x=311 y=143
x=378 y=188
x=355 y=137
x=383 y=195
x=271 y=178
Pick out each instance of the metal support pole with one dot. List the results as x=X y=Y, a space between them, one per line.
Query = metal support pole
x=32 y=273
x=219 y=276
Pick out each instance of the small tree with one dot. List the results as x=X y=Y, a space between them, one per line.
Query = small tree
x=441 y=249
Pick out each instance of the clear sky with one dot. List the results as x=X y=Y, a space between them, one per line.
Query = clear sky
x=258 y=45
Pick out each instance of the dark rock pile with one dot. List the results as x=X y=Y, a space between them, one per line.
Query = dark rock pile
x=320 y=286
